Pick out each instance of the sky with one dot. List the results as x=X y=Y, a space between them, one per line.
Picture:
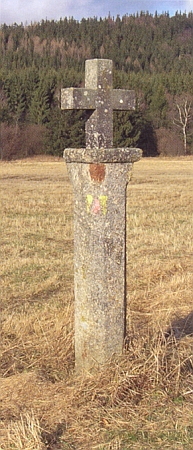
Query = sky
x=27 y=11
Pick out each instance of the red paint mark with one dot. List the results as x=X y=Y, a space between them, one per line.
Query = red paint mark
x=97 y=172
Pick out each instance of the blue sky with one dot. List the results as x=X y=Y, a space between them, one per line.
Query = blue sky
x=27 y=11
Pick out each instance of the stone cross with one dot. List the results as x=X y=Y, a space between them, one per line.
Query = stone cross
x=99 y=174
x=98 y=96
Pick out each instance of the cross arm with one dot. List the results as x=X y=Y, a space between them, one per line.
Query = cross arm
x=77 y=98
x=123 y=100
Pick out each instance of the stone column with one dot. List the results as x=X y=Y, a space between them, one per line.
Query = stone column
x=99 y=251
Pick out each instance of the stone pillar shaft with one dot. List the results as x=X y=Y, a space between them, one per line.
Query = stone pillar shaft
x=99 y=261
x=99 y=251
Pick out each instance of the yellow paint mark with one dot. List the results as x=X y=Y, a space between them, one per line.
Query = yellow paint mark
x=94 y=205
x=89 y=200
x=103 y=203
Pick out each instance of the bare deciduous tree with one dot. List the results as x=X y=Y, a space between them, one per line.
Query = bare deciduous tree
x=184 y=117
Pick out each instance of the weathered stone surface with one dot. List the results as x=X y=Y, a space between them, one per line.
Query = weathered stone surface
x=99 y=175
x=99 y=261
x=105 y=155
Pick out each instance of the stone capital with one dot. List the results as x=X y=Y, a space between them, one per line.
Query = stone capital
x=102 y=155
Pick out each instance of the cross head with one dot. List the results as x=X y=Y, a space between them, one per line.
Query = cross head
x=101 y=99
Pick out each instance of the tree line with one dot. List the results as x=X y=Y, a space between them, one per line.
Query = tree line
x=151 y=54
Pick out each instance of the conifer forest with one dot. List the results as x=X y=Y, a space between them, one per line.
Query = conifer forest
x=152 y=54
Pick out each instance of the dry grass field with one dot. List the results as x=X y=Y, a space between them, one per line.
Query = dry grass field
x=142 y=399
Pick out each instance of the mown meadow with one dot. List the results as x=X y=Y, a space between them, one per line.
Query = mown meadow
x=142 y=399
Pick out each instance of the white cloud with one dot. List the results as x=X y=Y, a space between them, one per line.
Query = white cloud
x=189 y=5
x=35 y=10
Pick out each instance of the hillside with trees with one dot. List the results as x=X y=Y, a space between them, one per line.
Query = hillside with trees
x=151 y=54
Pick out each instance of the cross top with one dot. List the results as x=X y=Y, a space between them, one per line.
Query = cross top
x=99 y=97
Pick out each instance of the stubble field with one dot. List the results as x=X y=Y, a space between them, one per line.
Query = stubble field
x=142 y=399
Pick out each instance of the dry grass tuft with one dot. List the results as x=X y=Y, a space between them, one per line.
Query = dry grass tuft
x=42 y=340
x=139 y=400
x=25 y=433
